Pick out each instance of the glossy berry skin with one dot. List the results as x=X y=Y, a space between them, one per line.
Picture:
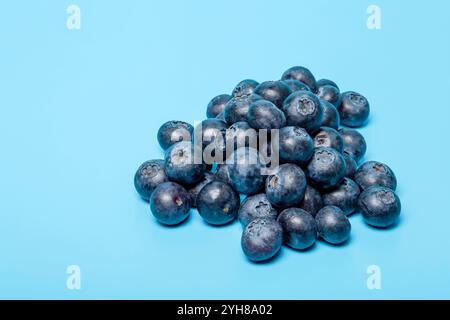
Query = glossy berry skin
x=148 y=176
x=373 y=173
x=245 y=88
x=380 y=206
x=240 y=134
x=295 y=145
x=351 y=165
x=244 y=167
x=354 y=109
x=236 y=109
x=328 y=138
x=274 y=91
x=262 y=239
x=312 y=202
x=170 y=203
x=330 y=94
x=303 y=109
x=173 y=132
x=331 y=117
x=264 y=114
x=181 y=164
x=217 y=105
x=326 y=168
x=286 y=187
x=299 y=228
x=301 y=74
x=212 y=133
x=344 y=196
x=223 y=174
x=256 y=207
x=354 y=143
x=332 y=225
x=194 y=191
x=296 y=85
x=326 y=82
x=218 y=203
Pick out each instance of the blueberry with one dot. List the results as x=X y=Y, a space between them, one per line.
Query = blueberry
x=245 y=168
x=256 y=207
x=326 y=168
x=380 y=206
x=354 y=143
x=264 y=114
x=223 y=173
x=194 y=191
x=217 y=105
x=245 y=88
x=295 y=145
x=237 y=108
x=312 y=202
x=354 y=109
x=331 y=116
x=303 y=109
x=326 y=82
x=351 y=165
x=329 y=93
x=286 y=187
x=332 y=225
x=262 y=239
x=218 y=203
x=299 y=228
x=274 y=91
x=301 y=74
x=170 y=203
x=344 y=196
x=149 y=175
x=174 y=131
x=373 y=173
x=240 y=134
x=296 y=85
x=329 y=138
x=212 y=134
x=183 y=163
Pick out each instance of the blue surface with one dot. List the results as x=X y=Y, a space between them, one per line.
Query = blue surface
x=80 y=110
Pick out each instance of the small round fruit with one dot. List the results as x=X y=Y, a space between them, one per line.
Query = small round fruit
x=312 y=202
x=354 y=143
x=328 y=138
x=329 y=93
x=256 y=207
x=296 y=85
x=239 y=135
x=380 y=207
x=326 y=82
x=173 y=132
x=274 y=91
x=217 y=105
x=295 y=145
x=299 y=228
x=245 y=88
x=262 y=239
x=149 y=175
x=331 y=116
x=301 y=74
x=182 y=165
x=351 y=165
x=332 y=225
x=245 y=169
x=212 y=134
x=354 y=109
x=237 y=108
x=286 y=187
x=373 y=173
x=326 y=168
x=344 y=196
x=218 y=203
x=264 y=114
x=170 y=203
x=194 y=191
x=303 y=109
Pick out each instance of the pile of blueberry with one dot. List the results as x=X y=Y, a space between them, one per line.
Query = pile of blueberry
x=282 y=146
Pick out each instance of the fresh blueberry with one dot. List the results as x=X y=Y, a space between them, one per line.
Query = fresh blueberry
x=354 y=143
x=218 y=203
x=312 y=202
x=295 y=145
x=240 y=134
x=303 y=109
x=173 y=132
x=264 y=114
x=326 y=168
x=373 y=173
x=256 y=207
x=245 y=88
x=217 y=105
x=149 y=175
x=344 y=196
x=286 y=187
x=183 y=163
x=354 y=109
x=326 y=82
x=274 y=91
x=262 y=239
x=296 y=85
x=328 y=138
x=212 y=134
x=380 y=206
x=170 y=203
x=332 y=225
x=245 y=169
x=299 y=228
x=329 y=93
x=351 y=165
x=223 y=173
x=236 y=109
x=331 y=116
x=194 y=191
x=301 y=74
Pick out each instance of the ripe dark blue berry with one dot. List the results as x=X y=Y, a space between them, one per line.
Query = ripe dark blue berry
x=256 y=207
x=295 y=145
x=262 y=239
x=344 y=196
x=354 y=109
x=296 y=85
x=380 y=206
x=245 y=169
x=326 y=82
x=328 y=138
x=312 y=202
x=239 y=135
x=212 y=134
x=148 y=176
x=194 y=191
x=173 y=132
x=218 y=203
x=351 y=165
x=183 y=163
x=217 y=105
x=329 y=93
x=326 y=168
x=273 y=91
x=332 y=225
x=170 y=203
x=286 y=187
x=303 y=109
x=331 y=116
x=354 y=143
x=301 y=74
x=263 y=114
x=236 y=109
x=373 y=173
x=245 y=88
x=299 y=228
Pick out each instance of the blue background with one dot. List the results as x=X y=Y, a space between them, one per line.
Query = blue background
x=80 y=111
